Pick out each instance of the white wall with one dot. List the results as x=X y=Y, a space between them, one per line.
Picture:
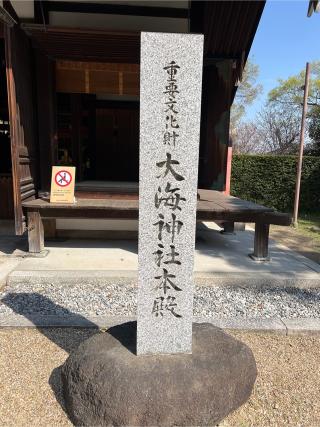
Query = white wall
x=96 y=224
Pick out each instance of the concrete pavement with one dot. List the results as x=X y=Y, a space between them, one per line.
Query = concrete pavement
x=219 y=260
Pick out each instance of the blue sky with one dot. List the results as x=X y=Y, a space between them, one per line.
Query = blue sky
x=285 y=40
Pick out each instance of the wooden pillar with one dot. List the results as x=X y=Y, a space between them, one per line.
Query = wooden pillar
x=76 y=110
x=261 y=242
x=215 y=120
x=46 y=105
x=228 y=169
x=228 y=227
x=24 y=143
x=35 y=232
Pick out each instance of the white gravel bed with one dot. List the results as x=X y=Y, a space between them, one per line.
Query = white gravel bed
x=112 y=300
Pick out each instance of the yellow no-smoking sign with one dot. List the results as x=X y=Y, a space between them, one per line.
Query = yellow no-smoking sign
x=62 y=184
x=63 y=178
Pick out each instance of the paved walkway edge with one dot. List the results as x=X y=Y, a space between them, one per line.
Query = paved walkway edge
x=130 y=278
x=299 y=326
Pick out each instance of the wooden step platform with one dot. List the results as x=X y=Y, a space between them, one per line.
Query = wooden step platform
x=211 y=206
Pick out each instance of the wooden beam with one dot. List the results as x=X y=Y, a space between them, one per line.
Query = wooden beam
x=115 y=9
x=196 y=16
x=6 y=17
x=10 y=10
x=41 y=14
x=314 y=6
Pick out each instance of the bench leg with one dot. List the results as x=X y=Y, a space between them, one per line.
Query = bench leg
x=50 y=229
x=35 y=232
x=261 y=243
x=228 y=227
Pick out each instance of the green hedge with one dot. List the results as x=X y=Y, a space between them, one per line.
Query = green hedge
x=270 y=181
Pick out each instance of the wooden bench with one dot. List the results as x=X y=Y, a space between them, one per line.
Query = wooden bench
x=212 y=206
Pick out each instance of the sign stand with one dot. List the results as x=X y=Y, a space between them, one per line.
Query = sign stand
x=62 y=184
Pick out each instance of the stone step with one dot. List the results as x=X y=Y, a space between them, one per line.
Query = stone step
x=305 y=280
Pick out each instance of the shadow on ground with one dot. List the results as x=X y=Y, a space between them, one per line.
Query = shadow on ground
x=68 y=338
x=9 y=245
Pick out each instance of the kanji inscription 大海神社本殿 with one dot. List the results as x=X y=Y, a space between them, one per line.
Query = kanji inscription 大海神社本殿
x=170 y=99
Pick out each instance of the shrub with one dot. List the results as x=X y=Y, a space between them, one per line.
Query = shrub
x=270 y=181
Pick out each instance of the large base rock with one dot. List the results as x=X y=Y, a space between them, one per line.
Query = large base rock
x=105 y=383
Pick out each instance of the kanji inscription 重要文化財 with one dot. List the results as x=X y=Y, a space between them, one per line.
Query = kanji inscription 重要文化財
x=170 y=99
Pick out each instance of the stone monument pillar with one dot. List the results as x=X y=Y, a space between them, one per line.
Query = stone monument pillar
x=118 y=378
x=170 y=105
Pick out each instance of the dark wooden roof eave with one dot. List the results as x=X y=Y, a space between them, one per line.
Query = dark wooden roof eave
x=229 y=28
x=85 y=44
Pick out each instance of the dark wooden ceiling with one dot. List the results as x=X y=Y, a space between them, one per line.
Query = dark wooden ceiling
x=43 y=8
x=229 y=28
x=86 y=45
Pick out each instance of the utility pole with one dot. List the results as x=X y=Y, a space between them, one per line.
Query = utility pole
x=302 y=131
